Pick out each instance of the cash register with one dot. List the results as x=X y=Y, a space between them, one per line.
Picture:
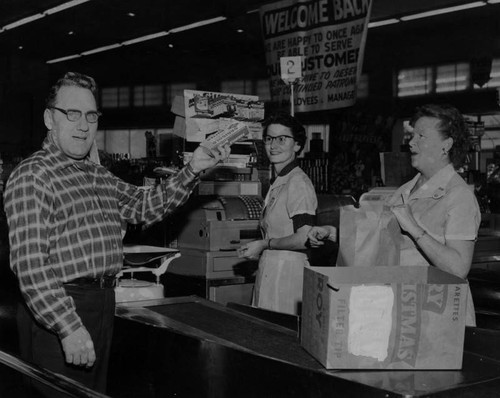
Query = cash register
x=212 y=230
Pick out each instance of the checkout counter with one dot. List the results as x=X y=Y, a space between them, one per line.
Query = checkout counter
x=192 y=347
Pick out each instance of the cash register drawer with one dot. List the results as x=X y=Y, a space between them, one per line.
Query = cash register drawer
x=221 y=264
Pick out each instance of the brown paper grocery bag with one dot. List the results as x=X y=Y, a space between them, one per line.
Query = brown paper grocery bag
x=368 y=237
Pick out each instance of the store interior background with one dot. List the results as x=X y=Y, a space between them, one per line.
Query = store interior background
x=227 y=56
x=216 y=45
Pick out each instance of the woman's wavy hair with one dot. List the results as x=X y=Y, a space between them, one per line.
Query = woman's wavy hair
x=452 y=124
x=70 y=79
x=287 y=120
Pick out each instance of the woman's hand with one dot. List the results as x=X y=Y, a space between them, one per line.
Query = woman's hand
x=252 y=250
x=317 y=235
x=454 y=256
x=406 y=220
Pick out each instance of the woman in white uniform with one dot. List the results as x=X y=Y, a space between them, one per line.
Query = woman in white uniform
x=289 y=212
x=437 y=211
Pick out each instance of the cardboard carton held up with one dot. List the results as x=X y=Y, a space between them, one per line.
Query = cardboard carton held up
x=384 y=317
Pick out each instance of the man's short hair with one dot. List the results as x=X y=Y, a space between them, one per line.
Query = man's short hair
x=71 y=79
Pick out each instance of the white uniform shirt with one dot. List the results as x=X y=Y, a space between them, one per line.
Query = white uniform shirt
x=446 y=208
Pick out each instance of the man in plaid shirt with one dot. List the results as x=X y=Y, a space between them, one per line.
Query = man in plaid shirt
x=65 y=216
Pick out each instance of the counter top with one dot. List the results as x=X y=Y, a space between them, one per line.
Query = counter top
x=239 y=354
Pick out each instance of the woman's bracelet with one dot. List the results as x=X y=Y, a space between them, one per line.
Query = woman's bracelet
x=424 y=232
x=269 y=244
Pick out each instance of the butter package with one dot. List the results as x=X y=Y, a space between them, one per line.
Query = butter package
x=384 y=317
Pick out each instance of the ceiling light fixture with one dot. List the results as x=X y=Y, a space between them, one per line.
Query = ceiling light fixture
x=443 y=11
x=43 y=14
x=170 y=45
x=384 y=22
x=67 y=58
x=64 y=6
x=219 y=19
x=142 y=38
x=131 y=14
x=145 y=38
x=101 y=49
x=197 y=24
x=21 y=22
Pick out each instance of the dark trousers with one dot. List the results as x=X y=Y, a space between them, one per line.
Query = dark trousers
x=40 y=346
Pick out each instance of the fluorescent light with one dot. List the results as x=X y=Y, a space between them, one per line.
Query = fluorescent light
x=23 y=21
x=197 y=24
x=221 y=18
x=145 y=38
x=67 y=58
x=101 y=49
x=390 y=21
x=443 y=11
x=50 y=11
x=64 y=6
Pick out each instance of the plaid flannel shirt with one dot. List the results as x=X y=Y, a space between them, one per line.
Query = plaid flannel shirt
x=65 y=221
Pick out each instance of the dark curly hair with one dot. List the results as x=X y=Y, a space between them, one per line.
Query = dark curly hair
x=287 y=120
x=452 y=125
x=70 y=79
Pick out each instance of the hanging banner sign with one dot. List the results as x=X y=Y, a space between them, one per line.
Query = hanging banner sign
x=329 y=36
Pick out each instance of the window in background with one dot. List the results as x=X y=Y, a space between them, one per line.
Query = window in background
x=117 y=141
x=416 y=81
x=173 y=90
x=151 y=95
x=363 y=86
x=262 y=90
x=237 y=87
x=494 y=76
x=115 y=97
x=452 y=77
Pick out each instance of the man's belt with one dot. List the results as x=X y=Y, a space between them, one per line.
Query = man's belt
x=104 y=282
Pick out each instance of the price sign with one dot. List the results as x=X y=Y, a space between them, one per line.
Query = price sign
x=291 y=68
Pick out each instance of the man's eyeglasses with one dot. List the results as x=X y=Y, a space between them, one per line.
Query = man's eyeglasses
x=280 y=139
x=74 y=115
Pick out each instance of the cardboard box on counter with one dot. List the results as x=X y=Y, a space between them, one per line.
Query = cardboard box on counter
x=384 y=317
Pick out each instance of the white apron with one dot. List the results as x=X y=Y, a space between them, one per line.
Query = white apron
x=278 y=285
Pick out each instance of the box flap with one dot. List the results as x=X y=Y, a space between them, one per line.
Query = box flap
x=388 y=275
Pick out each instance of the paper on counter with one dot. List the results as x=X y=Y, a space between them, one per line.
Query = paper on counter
x=370 y=321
